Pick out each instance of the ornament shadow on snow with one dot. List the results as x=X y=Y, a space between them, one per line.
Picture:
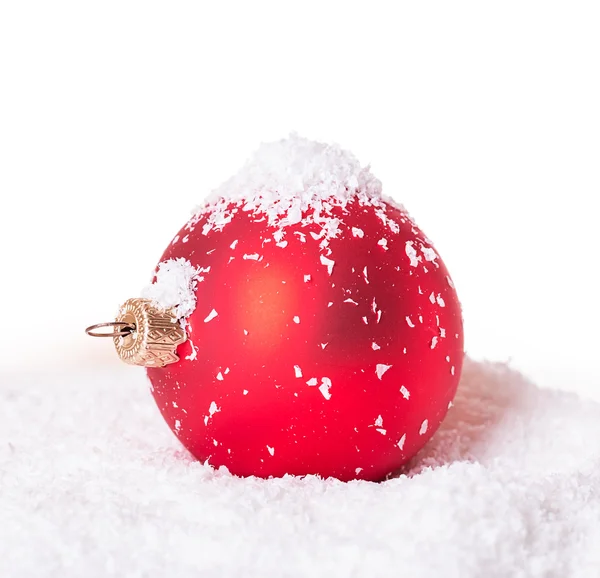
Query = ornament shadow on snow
x=487 y=395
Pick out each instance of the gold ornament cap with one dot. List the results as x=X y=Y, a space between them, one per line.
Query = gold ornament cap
x=156 y=336
x=144 y=334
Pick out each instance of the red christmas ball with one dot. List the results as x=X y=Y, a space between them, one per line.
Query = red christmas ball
x=330 y=343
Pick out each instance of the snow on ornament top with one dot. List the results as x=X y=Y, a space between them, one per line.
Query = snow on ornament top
x=293 y=181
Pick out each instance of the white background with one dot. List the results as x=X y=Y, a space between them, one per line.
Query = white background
x=117 y=118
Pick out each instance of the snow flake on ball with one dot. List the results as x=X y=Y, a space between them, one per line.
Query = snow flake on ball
x=411 y=253
x=211 y=411
x=329 y=263
x=423 y=428
x=400 y=443
x=429 y=254
x=378 y=425
x=366 y=275
x=194 y=354
x=381 y=368
x=210 y=316
x=325 y=387
x=404 y=391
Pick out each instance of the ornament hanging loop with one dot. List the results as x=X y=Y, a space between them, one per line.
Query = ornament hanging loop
x=120 y=329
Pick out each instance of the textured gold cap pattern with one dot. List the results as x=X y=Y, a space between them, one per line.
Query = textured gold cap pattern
x=156 y=336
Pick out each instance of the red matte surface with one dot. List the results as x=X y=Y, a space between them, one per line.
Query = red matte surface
x=307 y=433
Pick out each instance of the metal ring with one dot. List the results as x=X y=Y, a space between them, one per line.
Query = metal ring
x=126 y=329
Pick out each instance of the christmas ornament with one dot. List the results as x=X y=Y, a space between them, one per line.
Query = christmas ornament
x=299 y=323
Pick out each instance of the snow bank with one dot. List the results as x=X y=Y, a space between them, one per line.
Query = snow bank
x=93 y=484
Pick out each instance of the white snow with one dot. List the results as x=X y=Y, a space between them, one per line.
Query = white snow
x=194 y=353
x=429 y=254
x=411 y=253
x=381 y=369
x=401 y=441
x=325 y=387
x=329 y=263
x=175 y=286
x=292 y=181
x=94 y=484
x=210 y=316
